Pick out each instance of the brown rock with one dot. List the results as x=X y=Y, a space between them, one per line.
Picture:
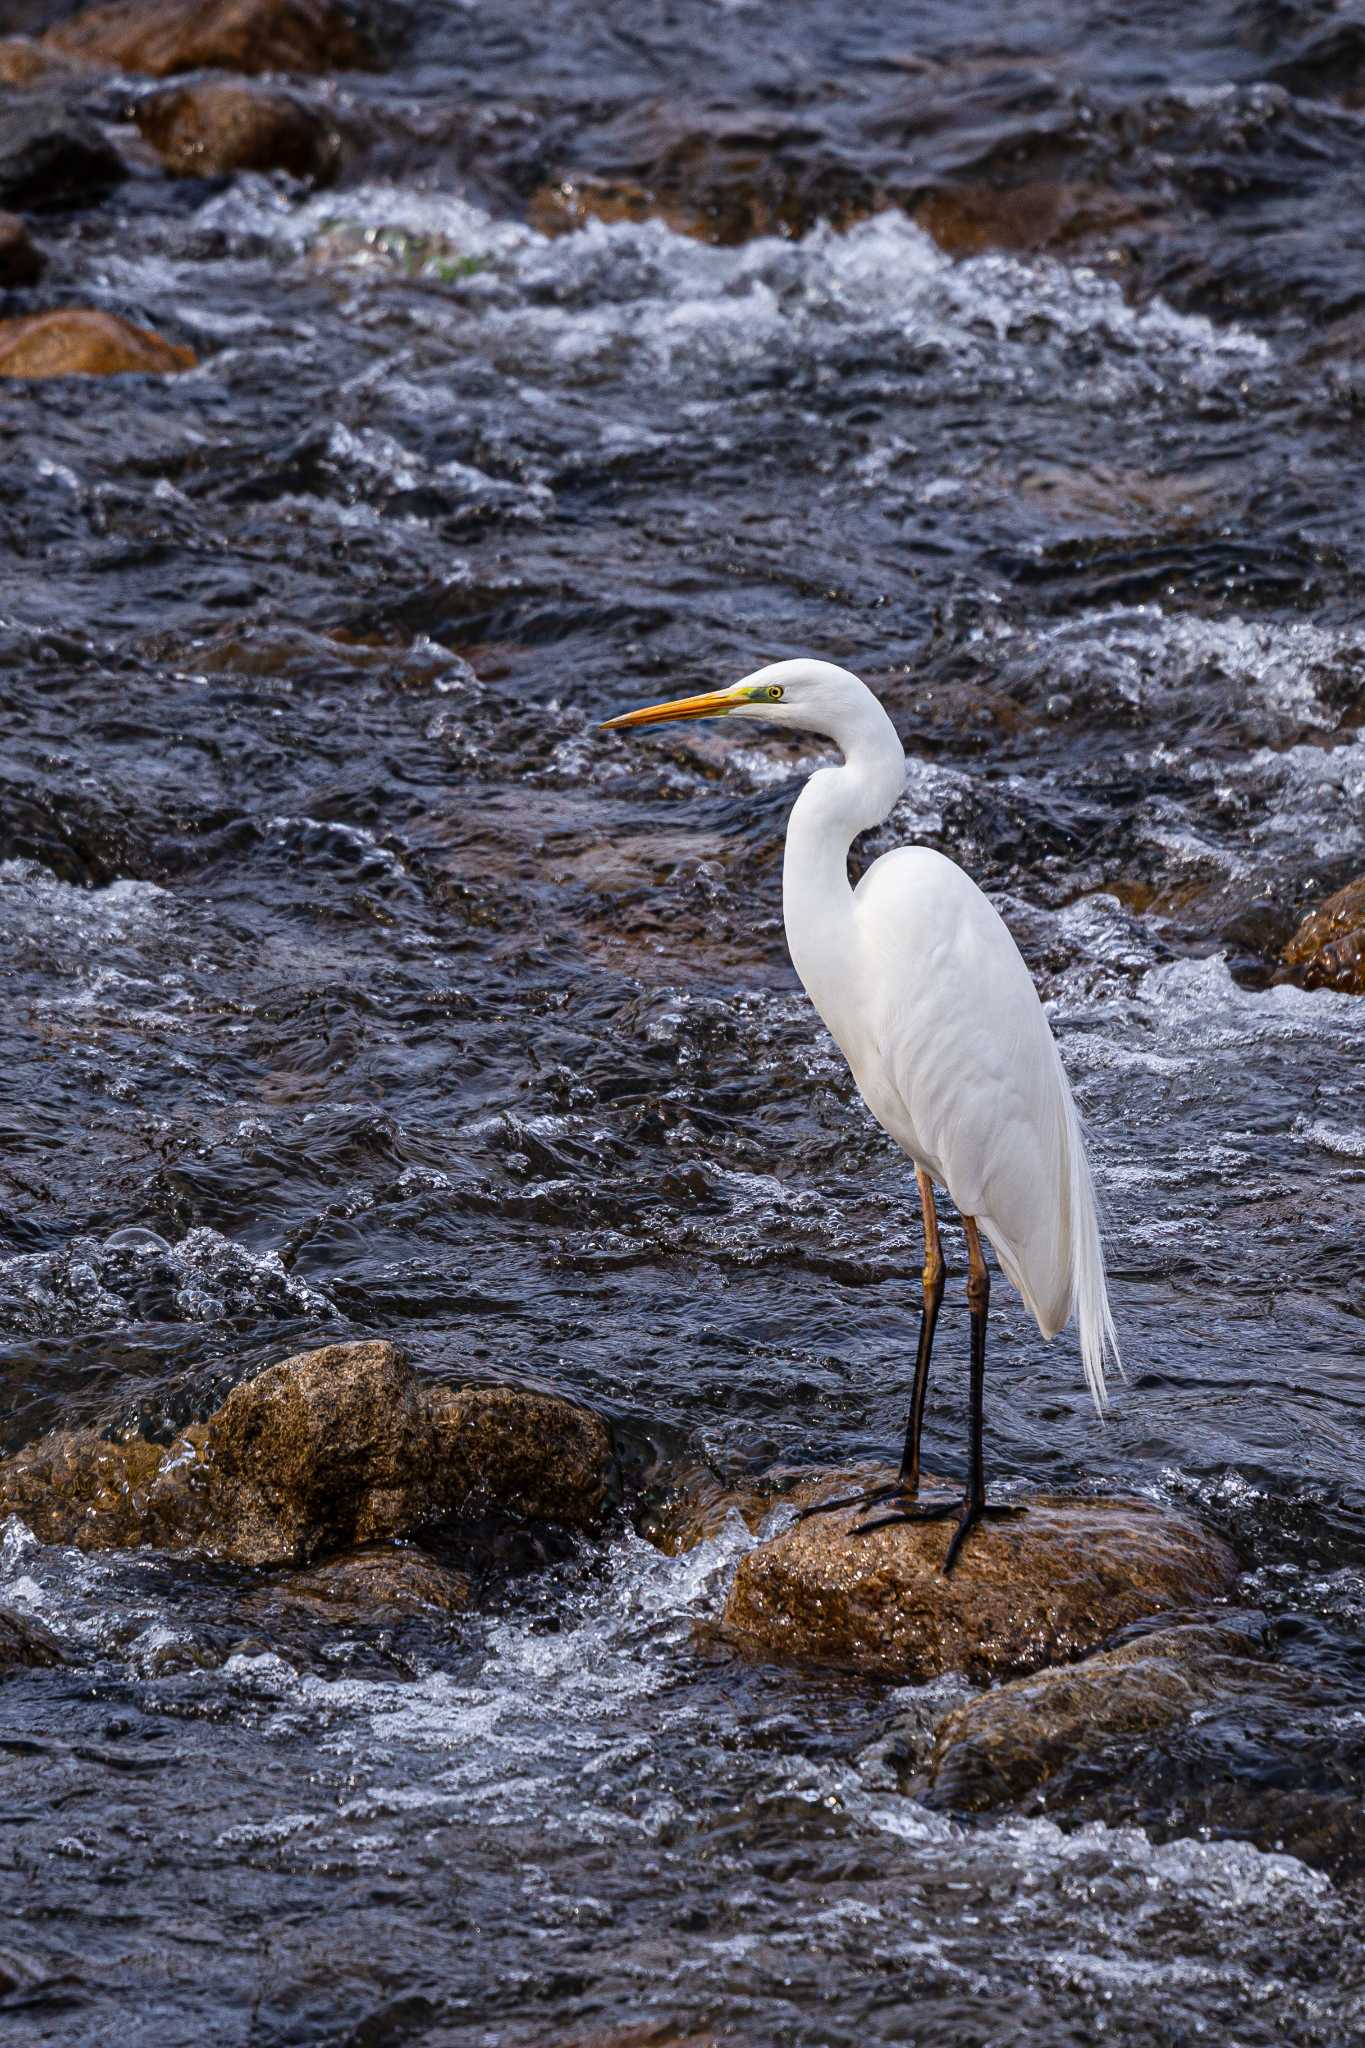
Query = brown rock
x=329 y=1449
x=1328 y=949
x=26 y=1645
x=965 y=220
x=222 y=125
x=1040 y=1588
x=570 y=203
x=1009 y=1741
x=77 y=341
x=20 y=262
x=384 y=1582
x=699 y=1502
x=162 y=37
x=530 y=1453
x=23 y=62
x=76 y=1488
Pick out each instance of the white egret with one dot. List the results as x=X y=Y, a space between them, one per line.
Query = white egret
x=917 y=979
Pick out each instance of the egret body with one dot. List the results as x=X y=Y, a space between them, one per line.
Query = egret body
x=918 y=981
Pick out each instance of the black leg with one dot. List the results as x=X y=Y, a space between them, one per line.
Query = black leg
x=973 y=1506
x=979 y=1302
x=928 y=1323
x=906 y=1486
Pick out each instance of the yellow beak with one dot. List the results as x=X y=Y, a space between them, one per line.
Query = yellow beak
x=709 y=705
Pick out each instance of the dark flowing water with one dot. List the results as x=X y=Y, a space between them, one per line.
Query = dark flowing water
x=355 y=984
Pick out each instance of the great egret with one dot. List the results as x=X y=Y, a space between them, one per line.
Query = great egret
x=924 y=991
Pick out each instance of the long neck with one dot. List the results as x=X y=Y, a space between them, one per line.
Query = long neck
x=833 y=808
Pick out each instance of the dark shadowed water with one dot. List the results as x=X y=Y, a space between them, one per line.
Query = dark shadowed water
x=355 y=984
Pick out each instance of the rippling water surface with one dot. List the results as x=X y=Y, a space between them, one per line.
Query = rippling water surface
x=356 y=984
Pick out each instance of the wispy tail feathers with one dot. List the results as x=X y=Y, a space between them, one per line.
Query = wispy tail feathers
x=1089 y=1291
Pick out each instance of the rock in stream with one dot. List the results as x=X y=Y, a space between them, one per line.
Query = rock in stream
x=329 y=1449
x=1040 y=1588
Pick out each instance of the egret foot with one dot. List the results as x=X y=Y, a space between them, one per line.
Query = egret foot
x=872 y=1499
x=968 y=1514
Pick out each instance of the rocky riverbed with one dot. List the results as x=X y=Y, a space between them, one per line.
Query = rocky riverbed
x=441 y=1253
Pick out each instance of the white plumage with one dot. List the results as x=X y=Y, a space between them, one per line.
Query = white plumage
x=927 y=996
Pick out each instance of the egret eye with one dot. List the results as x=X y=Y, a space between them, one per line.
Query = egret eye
x=774 y=691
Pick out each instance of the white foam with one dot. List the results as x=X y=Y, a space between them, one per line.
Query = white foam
x=91 y=1284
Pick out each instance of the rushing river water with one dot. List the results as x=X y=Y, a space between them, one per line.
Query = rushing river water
x=356 y=984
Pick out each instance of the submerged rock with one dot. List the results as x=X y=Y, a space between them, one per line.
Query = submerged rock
x=966 y=220
x=1039 y=1588
x=78 y=341
x=226 y=125
x=326 y=1450
x=1328 y=949
x=162 y=37
x=51 y=155
x=699 y=1502
x=570 y=203
x=1005 y=1743
x=20 y=262
x=381 y=1582
x=26 y=1645
x=25 y=62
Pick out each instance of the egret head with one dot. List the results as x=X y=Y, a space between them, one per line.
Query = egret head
x=812 y=696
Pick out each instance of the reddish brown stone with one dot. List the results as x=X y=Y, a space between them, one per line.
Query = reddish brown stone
x=379 y=1583
x=1328 y=949
x=77 y=341
x=966 y=220
x=1039 y=1588
x=161 y=37
x=223 y=125
x=327 y=1450
x=1011 y=1740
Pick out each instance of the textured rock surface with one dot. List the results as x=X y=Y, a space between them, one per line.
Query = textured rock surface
x=382 y=1582
x=25 y=62
x=20 y=262
x=699 y=1502
x=326 y=1450
x=499 y=1447
x=1040 y=1588
x=1007 y=1742
x=26 y=1644
x=965 y=220
x=570 y=203
x=224 y=125
x=77 y=341
x=51 y=155
x=1328 y=949
x=161 y=37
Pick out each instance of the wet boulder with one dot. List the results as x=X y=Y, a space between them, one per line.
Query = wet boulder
x=20 y=262
x=159 y=38
x=968 y=219
x=698 y=1503
x=1328 y=949
x=1039 y=1588
x=222 y=125
x=532 y=1454
x=24 y=62
x=79 y=341
x=571 y=202
x=376 y=1583
x=1005 y=1744
x=328 y=1450
x=26 y=1645
x=53 y=155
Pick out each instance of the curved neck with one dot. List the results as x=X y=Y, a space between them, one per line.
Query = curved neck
x=833 y=808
